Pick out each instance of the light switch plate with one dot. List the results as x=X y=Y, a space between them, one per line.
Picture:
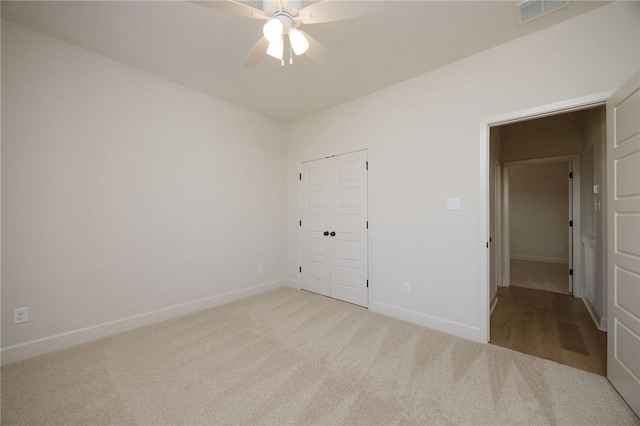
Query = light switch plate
x=453 y=203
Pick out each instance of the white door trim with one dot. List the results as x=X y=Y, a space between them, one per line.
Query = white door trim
x=330 y=156
x=575 y=261
x=497 y=226
x=484 y=216
x=505 y=224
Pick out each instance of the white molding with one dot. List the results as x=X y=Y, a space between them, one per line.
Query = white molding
x=436 y=323
x=493 y=305
x=334 y=155
x=594 y=315
x=561 y=107
x=484 y=215
x=56 y=342
x=540 y=258
x=498 y=226
x=604 y=324
x=506 y=237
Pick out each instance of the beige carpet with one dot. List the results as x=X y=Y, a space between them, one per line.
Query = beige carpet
x=540 y=275
x=294 y=357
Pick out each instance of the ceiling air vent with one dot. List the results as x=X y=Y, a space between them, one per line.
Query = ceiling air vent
x=531 y=9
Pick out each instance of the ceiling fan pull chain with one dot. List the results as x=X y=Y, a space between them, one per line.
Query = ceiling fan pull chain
x=290 y=54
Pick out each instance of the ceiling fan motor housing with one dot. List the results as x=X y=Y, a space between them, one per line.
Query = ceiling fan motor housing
x=270 y=7
x=286 y=19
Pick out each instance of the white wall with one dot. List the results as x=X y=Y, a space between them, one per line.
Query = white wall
x=423 y=137
x=125 y=194
x=539 y=212
x=586 y=193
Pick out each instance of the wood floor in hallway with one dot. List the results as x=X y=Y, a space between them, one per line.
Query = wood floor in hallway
x=549 y=325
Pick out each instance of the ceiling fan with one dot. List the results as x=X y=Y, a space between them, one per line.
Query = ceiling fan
x=283 y=18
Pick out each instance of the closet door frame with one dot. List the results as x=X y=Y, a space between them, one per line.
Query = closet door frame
x=333 y=249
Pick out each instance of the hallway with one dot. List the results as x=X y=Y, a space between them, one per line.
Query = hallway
x=549 y=325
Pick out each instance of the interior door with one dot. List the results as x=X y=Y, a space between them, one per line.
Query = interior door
x=623 y=229
x=349 y=267
x=334 y=236
x=316 y=215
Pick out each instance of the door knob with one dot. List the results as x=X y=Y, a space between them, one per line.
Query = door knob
x=333 y=234
x=326 y=233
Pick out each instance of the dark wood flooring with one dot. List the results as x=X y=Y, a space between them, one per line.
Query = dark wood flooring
x=549 y=325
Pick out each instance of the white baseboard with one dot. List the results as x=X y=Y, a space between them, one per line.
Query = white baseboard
x=435 y=323
x=601 y=323
x=540 y=258
x=604 y=326
x=44 y=345
x=493 y=304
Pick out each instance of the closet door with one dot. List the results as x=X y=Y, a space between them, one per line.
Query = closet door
x=349 y=250
x=333 y=227
x=315 y=247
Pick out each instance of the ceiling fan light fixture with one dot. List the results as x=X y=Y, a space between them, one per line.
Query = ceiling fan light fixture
x=276 y=48
x=299 y=42
x=273 y=30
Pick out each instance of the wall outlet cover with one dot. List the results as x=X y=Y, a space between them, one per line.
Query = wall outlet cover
x=20 y=315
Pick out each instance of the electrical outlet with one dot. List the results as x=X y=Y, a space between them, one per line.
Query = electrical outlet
x=260 y=269
x=20 y=315
x=407 y=288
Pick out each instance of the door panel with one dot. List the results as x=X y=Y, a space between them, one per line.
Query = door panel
x=349 y=275
x=623 y=220
x=316 y=257
x=334 y=191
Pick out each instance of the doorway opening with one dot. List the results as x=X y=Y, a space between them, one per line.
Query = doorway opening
x=541 y=202
x=546 y=176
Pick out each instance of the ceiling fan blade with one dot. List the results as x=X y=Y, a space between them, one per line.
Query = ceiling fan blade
x=256 y=53
x=233 y=8
x=316 y=52
x=337 y=10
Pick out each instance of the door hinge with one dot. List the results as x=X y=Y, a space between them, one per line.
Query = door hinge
x=570 y=271
x=571 y=223
x=300 y=223
x=366 y=165
x=300 y=269
x=367 y=283
x=300 y=176
x=487 y=244
x=570 y=175
x=367 y=224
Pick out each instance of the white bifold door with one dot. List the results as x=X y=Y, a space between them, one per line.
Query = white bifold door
x=333 y=227
x=623 y=223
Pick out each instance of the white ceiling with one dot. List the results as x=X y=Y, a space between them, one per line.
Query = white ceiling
x=204 y=49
